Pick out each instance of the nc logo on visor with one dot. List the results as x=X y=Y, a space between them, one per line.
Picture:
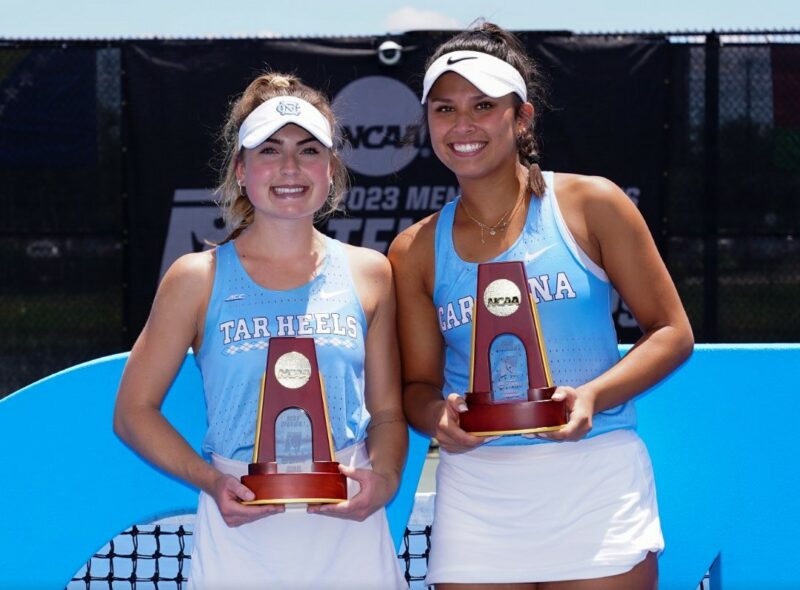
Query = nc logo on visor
x=288 y=108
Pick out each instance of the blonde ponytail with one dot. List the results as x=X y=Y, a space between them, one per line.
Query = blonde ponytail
x=237 y=210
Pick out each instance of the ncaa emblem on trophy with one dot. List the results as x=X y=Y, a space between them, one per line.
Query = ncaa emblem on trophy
x=510 y=385
x=287 y=467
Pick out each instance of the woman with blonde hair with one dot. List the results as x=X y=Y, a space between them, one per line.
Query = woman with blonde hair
x=277 y=275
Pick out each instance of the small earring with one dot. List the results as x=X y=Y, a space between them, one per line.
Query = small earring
x=242 y=192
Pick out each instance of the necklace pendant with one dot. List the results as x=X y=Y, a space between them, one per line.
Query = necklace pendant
x=492 y=231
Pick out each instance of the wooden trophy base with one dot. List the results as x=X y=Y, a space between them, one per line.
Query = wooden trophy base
x=539 y=413
x=323 y=485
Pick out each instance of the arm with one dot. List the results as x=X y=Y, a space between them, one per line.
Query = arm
x=175 y=323
x=387 y=434
x=421 y=343
x=613 y=233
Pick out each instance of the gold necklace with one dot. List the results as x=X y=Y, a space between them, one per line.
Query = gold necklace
x=502 y=223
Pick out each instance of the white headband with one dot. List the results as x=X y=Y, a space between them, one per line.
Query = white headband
x=278 y=111
x=491 y=75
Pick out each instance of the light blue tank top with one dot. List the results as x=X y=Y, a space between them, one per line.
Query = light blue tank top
x=573 y=299
x=242 y=317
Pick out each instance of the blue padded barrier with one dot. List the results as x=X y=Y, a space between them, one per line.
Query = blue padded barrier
x=720 y=432
x=70 y=485
x=725 y=451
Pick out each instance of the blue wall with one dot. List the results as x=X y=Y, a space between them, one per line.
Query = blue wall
x=720 y=431
x=723 y=438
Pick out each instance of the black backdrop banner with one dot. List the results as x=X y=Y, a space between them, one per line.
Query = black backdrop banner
x=608 y=117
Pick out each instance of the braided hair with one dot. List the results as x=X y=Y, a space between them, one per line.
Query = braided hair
x=488 y=38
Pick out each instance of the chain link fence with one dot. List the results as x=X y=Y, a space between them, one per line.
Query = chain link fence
x=60 y=221
x=734 y=208
x=729 y=231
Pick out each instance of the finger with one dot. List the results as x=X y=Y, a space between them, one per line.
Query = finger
x=544 y=434
x=558 y=435
x=235 y=489
x=462 y=442
x=452 y=435
x=327 y=507
x=352 y=472
x=238 y=514
x=252 y=514
x=572 y=430
x=457 y=403
x=454 y=447
x=567 y=429
x=242 y=492
x=468 y=439
x=352 y=509
x=264 y=509
x=334 y=509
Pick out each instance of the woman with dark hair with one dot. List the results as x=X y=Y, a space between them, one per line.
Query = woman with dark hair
x=573 y=508
x=276 y=275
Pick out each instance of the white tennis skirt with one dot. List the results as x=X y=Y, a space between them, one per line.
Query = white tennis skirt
x=293 y=549
x=541 y=513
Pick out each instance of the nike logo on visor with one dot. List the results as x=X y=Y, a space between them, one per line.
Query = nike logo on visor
x=451 y=61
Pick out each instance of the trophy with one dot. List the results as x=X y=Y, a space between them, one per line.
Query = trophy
x=292 y=403
x=510 y=383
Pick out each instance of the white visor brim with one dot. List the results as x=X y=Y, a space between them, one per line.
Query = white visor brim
x=491 y=75
x=279 y=111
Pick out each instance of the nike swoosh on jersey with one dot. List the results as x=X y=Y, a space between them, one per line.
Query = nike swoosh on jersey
x=530 y=256
x=329 y=294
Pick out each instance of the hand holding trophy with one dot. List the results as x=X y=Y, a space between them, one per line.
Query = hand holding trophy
x=510 y=382
x=293 y=385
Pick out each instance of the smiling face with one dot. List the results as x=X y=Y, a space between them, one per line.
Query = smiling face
x=472 y=134
x=288 y=175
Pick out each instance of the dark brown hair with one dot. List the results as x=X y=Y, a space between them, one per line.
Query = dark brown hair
x=488 y=38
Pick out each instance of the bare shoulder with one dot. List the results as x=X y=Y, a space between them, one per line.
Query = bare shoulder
x=190 y=278
x=594 y=198
x=583 y=189
x=416 y=243
x=368 y=263
x=197 y=266
x=412 y=256
x=179 y=307
x=372 y=276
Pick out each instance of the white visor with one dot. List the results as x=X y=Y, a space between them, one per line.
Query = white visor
x=279 y=111
x=492 y=76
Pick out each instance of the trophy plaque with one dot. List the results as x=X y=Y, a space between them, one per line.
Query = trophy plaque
x=510 y=383
x=293 y=397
